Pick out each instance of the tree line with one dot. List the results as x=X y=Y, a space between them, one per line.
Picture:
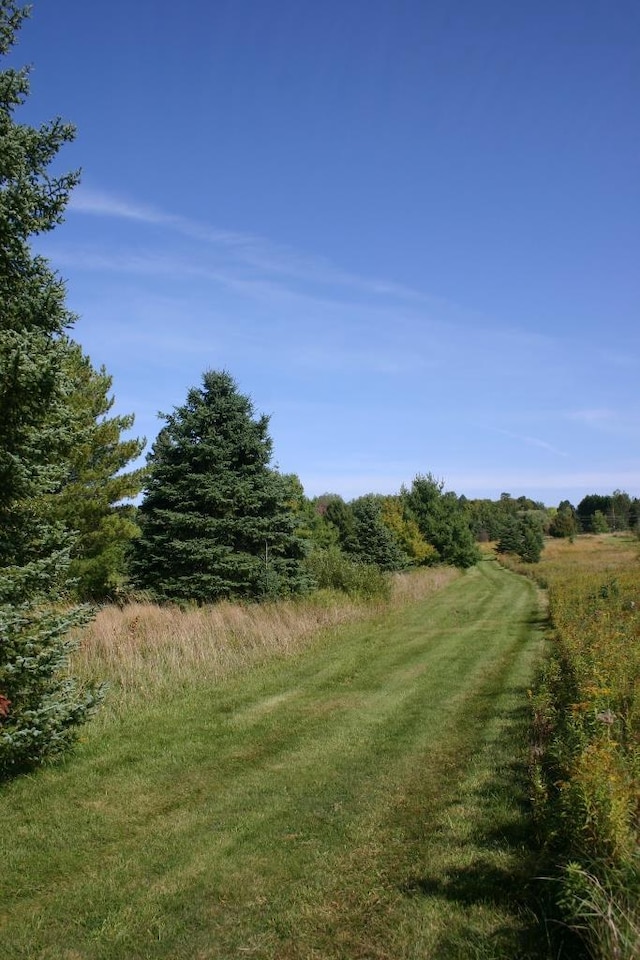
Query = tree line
x=216 y=519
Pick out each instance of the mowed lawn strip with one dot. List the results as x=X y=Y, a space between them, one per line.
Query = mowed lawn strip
x=363 y=799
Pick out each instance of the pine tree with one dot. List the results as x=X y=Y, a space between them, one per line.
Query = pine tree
x=523 y=536
x=443 y=521
x=216 y=520
x=511 y=540
x=40 y=705
x=376 y=543
x=532 y=538
x=90 y=498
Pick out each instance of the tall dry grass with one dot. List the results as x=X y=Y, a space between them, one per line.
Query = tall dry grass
x=588 y=554
x=142 y=648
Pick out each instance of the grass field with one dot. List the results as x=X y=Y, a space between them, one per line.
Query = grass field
x=362 y=797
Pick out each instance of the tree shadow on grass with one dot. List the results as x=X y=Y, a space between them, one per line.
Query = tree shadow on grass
x=534 y=933
x=493 y=866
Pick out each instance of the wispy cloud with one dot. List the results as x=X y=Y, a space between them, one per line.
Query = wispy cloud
x=252 y=251
x=531 y=441
x=100 y=203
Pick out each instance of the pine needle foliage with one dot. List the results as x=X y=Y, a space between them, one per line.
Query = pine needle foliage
x=94 y=496
x=40 y=705
x=217 y=521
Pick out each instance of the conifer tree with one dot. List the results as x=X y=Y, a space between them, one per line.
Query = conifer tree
x=340 y=518
x=217 y=522
x=375 y=542
x=442 y=520
x=532 y=538
x=523 y=536
x=40 y=705
x=94 y=493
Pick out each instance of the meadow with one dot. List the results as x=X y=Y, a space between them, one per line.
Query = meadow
x=586 y=763
x=317 y=779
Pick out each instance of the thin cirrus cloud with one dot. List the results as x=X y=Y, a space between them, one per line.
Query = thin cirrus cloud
x=315 y=289
x=531 y=441
x=306 y=303
x=99 y=203
x=275 y=276
x=249 y=250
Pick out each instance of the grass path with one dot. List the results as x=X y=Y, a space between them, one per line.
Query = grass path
x=363 y=799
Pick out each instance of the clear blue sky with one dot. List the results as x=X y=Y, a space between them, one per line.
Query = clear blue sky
x=409 y=229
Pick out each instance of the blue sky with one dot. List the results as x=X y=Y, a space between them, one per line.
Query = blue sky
x=409 y=229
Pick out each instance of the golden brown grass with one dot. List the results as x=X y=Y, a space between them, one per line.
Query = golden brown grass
x=143 y=646
x=587 y=554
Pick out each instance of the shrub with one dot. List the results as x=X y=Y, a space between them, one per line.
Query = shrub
x=586 y=751
x=331 y=570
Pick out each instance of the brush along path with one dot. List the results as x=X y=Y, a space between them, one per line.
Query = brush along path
x=360 y=800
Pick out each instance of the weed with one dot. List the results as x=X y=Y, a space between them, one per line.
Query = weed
x=586 y=755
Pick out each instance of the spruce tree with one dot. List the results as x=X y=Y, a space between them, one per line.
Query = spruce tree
x=40 y=705
x=375 y=542
x=565 y=522
x=511 y=540
x=532 y=538
x=524 y=537
x=217 y=522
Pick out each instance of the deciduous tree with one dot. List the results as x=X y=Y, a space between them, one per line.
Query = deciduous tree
x=565 y=522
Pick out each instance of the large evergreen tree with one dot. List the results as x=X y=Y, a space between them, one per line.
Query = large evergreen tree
x=217 y=522
x=40 y=706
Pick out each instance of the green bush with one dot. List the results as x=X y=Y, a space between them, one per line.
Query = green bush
x=330 y=569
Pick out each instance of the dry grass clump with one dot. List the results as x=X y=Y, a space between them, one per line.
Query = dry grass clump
x=142 y=647
x=415 y=586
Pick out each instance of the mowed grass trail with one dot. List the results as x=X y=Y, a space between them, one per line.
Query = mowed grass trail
x=362 y=799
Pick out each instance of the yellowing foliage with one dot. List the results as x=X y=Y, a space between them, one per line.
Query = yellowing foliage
x=407 y=532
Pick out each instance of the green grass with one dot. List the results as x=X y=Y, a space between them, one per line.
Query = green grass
x=364 y=798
